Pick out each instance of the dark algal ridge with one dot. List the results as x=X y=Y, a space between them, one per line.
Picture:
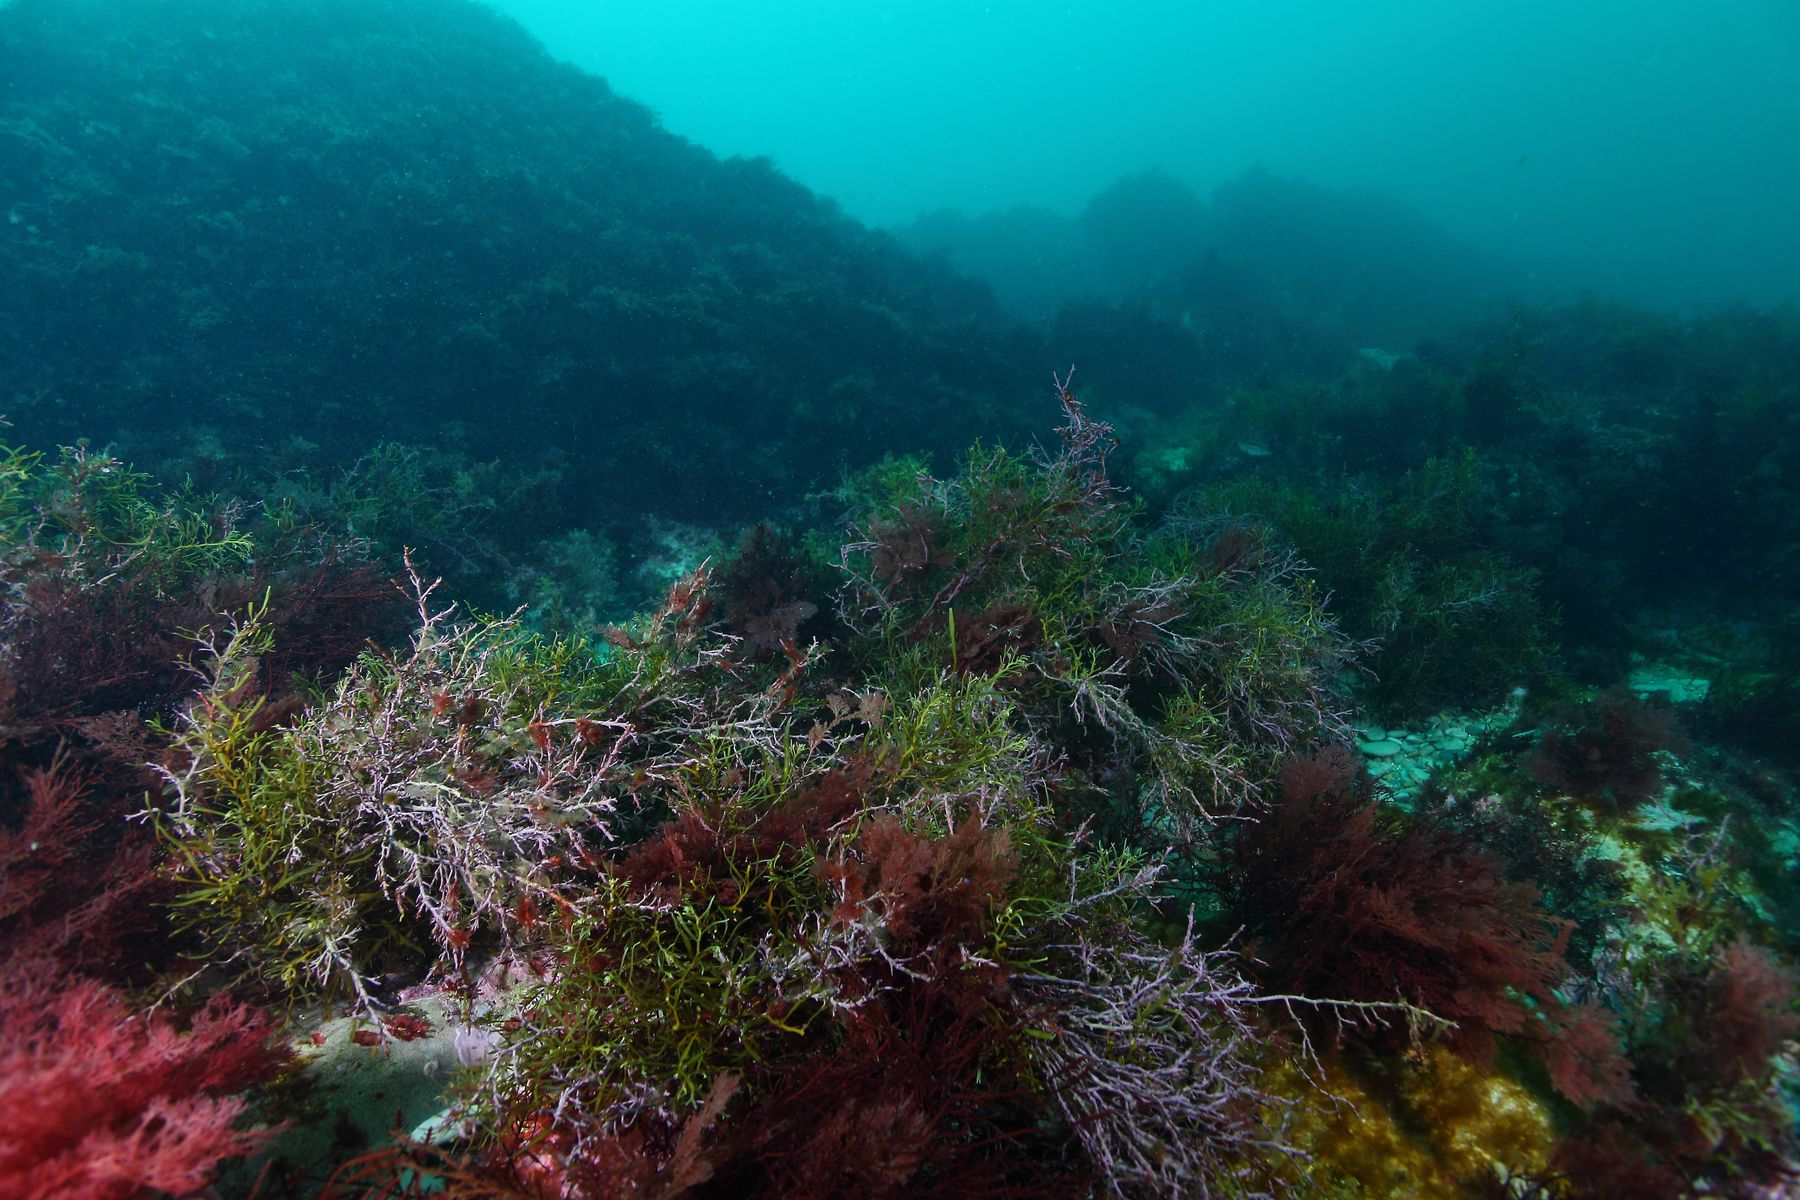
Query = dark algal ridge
x=272 y=221
x=1339 y=746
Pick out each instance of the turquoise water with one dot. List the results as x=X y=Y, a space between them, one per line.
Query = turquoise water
x=1644 y=151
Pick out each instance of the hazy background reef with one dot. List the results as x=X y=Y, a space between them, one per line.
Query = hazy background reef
x=1647 y=151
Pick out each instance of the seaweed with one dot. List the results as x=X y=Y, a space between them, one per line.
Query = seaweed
x=1605 y=751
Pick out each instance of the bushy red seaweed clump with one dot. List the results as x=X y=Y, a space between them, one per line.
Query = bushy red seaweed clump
x=901 y=1086
x=1605 y=751
x=100 y=1103
x=1704 y=1043
x=1346 y=899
